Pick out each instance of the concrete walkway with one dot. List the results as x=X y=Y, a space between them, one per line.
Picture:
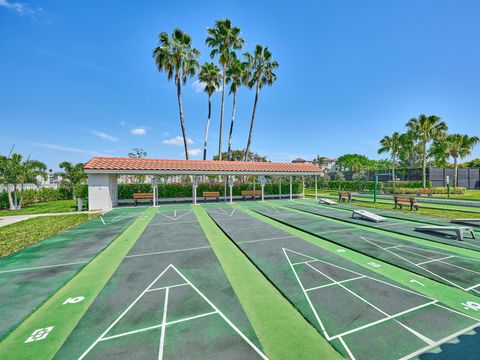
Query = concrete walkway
x=7 y=220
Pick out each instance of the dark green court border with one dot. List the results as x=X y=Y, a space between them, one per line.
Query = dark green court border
x=268 y=311
x=249 y=234
x=408 y=233
x=450 y=296
x=88 y=283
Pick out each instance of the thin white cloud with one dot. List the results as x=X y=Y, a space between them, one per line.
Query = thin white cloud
x=58 y=147
x=38 y=14
x=199 y=86
x=166 y=133
x=195 y=152
x=122 y=123
x=104 y=136
x=177 y=141
x=138 y=131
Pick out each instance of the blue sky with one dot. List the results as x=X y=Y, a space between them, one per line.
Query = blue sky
x=77 y=77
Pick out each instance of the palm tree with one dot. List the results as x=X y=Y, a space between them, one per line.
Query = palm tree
x=210 y=76
x=261 y=65
x=458 y=146
x=178 y=59
x=426 y=129
x=391 y=144
x=15 y=171
x=224 y=39
x=71 y=175
x=236 y=73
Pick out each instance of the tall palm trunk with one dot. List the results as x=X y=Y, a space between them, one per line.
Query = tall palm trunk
x=205 y=139
x=252 y=122
x=229 y=156
x=10 y=200
x=424 y=165
x=180 y=109
x=15 y=198
x=224 y=75
x=393 y=171
x=455 y=171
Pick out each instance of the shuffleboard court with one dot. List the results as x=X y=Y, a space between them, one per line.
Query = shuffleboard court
x=395 y=225
x=447 y=267
x=29 y=276
x=363 y=314
x=168 y=299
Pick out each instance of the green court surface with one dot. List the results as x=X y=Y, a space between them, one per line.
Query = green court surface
x=444 y=266
x=169 y=298
x=398 y=226
x=29 y=276
x=363 y=314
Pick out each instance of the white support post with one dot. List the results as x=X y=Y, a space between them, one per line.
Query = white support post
x=230 y=183
x=291 y=197
x=155 y=191
x=280 y=188
x=316 y=188
x=194 y=194
x=263 y=191
x=225 y=191
x=254 y=183
x=303 y=187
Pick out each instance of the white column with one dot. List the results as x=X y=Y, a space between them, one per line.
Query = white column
x=303 y=186
x=316 y=188
x=231 y=191
x=154 y=201
x=280 y=188
x=225 y=192
x=254 y=183
x=194 y=195
x=263 y=190
x=291 y=179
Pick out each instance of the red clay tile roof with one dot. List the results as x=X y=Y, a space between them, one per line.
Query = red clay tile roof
x=110 y=163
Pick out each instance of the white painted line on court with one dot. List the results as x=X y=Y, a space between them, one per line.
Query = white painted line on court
x=267 y=239
x=85 y=353
x=131 y=332
x=457 y=312
x=434 y=260
x=176 y=217
x=390 y=317
x=191 y=318
x=43 y=267
x=101 y=218
x=305 y=294
x=167 y=251
x=173 y=223
x=472 y=287
x=334 y=283
x=441 y=341
x=164 y=320
x=393 y=247
x=347 y=349
x=227 y=320
x=166 y=287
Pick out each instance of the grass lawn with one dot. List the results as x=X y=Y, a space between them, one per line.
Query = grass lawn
x=469 y=194
x=43 y=208
x=19 y=235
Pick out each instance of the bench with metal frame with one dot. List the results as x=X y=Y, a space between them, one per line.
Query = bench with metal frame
x=251 y=194
x=142 y=196
x=400 y=201
x=344 y=196
x=211 y=194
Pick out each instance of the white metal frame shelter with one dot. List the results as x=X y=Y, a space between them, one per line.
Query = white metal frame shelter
x=103 y=173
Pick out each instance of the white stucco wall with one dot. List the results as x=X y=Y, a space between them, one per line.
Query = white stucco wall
x=102 y=191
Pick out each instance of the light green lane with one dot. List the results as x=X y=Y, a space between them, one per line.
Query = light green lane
x=281 y=329
x=450 y=296
x=424 y=205
x=420 y=241
x=61 y=313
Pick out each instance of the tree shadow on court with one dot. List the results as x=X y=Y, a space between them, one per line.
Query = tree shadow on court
x=466 y=347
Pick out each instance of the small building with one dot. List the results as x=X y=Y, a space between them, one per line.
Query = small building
x=103 y=173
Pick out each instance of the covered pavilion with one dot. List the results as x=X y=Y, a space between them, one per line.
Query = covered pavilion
x=103 y=174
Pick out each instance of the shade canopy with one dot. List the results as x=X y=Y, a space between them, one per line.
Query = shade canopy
x=110 y=165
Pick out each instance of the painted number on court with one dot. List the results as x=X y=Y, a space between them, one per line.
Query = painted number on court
x=416 y=282
x=39 y=334
x=471 y=305
x=374 y=264
x=340 y=250
x=74 y=300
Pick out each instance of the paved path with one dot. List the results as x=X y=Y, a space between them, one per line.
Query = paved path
x=7 y=220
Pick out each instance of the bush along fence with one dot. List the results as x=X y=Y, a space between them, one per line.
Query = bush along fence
x=126 y=191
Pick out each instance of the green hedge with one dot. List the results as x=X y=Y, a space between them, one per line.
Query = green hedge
x=126 y=191
x=4 y=200
x=408 y=184
x=435 y=190
x=347 y=185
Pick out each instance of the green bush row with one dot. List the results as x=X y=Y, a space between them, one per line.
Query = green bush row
x=347 y=185
x=408 y=184
x=32 y=196
x=435 y=190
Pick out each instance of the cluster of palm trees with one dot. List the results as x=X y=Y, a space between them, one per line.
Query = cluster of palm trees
x=16 y=172
x=426 y=139
x=176 y=56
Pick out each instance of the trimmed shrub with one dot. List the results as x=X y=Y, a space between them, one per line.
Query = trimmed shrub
x=421 y=191
x=408 y=184
x=348 y=185
x=4 y=200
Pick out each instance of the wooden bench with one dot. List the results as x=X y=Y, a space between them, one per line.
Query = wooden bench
x=344 y=196
x=251 y=193
x=404 y=200
x=142 y=196
x=211 y=194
